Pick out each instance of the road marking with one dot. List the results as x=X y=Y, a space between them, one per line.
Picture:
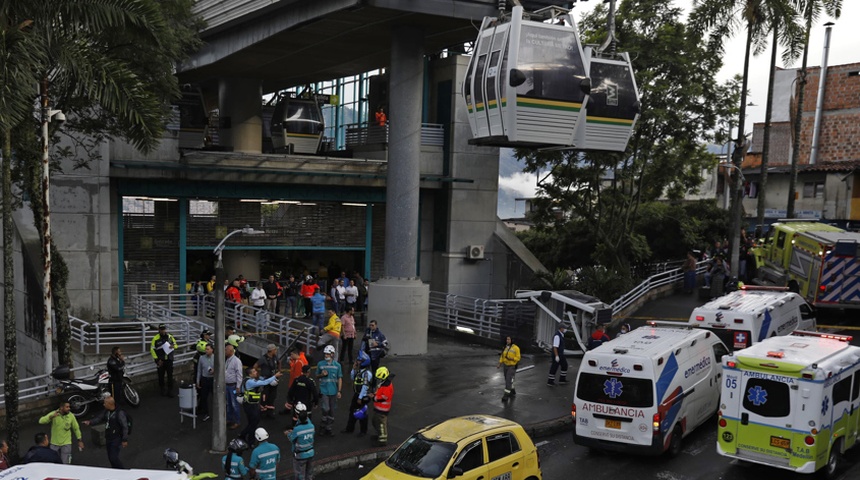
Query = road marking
x=540 y=444
x=523 y=369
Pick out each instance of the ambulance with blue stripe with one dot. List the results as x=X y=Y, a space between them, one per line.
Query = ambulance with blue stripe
x=791 y=402
x=752 y=314
x=644 y=391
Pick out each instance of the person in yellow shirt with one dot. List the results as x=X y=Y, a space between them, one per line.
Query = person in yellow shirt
x=63 y=424
x=332 y=330
x=509 y=359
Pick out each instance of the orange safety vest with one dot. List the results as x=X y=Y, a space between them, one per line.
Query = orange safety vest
x=380 y=119
x=382 y=399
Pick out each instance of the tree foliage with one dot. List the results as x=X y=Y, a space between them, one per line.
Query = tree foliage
x=604 y=192
x=109 y=65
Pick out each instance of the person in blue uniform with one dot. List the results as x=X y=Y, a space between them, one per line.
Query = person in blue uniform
x=264 y=458
x=302 y=444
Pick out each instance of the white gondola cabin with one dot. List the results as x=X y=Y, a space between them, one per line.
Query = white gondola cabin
x=613 y=104
x=526 y=83
x=297 y=125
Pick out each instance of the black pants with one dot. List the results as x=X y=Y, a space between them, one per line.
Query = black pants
x=206 y=386
x=166 y=368
x=562 y=362
x=346 y=348
x=354 y=405
x=270 y=394
x=252 y=411
x=116 y=391
x=114 y=446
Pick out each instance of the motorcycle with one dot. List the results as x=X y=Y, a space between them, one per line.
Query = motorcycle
x=82 y=393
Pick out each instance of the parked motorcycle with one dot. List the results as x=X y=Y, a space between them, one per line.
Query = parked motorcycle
x=82 y=393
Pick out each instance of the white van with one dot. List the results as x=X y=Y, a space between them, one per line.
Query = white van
x=791 y=402
x=752 y=314
x=53 y=471
x=644 y=391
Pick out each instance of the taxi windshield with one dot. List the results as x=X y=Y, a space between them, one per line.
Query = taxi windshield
x=422 y=457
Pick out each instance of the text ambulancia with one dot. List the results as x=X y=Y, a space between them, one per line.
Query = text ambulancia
x=644 y=391
x=791 y=402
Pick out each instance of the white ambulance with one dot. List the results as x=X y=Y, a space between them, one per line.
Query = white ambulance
x=644 y=391
x=52 y=471
x=752 y=314
x=791 y=402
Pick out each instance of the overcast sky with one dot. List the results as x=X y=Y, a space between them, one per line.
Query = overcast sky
x=844 y=48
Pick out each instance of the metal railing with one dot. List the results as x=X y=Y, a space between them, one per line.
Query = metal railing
x=360 y=134
x=43 y=386
x=477 y=316
x=668 y=277
x=483 y=317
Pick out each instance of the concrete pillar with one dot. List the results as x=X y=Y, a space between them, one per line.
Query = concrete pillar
x=400 y=300
x=240 y=108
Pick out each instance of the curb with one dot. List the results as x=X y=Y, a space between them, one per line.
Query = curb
x=352 y=460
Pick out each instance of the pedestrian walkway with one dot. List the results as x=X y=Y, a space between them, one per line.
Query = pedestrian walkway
x=454 y=378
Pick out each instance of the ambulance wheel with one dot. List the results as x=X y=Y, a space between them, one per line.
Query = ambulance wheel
x=834 y=461
x=675 y=442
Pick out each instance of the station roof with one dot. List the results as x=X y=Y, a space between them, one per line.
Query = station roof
x=296 y=42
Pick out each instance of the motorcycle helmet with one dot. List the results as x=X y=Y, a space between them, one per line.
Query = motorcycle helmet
x=235 y=340
x=329 y=350
x=237 y=445
x=205 y=332
x=171 y=456
x=261 y=434
x=363 y=358
x=360 y=413
x=382 y=373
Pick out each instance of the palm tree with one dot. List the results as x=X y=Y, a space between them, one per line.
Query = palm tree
x=723 y=18
x=782 y=19
x=810 y=10
x=17 y=54
x=109 y=61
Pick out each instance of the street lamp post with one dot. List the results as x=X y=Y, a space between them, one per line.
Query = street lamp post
x=219 y=403
x=736 y=222
x=47 y=297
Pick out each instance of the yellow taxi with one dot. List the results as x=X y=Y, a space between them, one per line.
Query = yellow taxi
x=468 y=448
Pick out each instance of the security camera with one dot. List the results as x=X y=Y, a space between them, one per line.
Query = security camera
x=56 y=116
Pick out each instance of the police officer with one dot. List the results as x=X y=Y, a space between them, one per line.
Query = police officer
x=558 y=359
x=361 y=382
x=302 y=444
x=200 y=350
x=303 y=390
x=252 y=393
x=116 y=369
x=162 y=347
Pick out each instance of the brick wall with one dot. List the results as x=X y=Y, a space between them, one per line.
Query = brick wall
x=840 y=123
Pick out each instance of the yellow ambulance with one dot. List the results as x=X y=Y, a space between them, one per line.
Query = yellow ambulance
x=791 y=402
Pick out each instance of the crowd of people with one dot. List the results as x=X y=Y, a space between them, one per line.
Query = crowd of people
x=252 y=392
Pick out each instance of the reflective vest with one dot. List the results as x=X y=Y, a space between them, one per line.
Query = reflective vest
x=252 y=395
x=359 y=380
x=382 y=399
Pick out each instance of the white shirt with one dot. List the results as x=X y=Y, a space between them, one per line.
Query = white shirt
x=351 y=294
x=258 y=297
x=341 y=292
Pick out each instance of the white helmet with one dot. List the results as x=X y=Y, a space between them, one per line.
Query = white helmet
x=261 y=434
x=329 y=350
x=299 y=408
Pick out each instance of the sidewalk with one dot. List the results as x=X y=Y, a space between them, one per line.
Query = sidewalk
x=453 y=379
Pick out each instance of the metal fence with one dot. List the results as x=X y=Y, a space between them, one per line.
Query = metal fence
x=486 y=318
x=359 y=134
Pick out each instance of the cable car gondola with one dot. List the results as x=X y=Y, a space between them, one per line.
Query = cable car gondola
x=193 y=118
x=297 y=125
x=613 y=105
x=526 y=83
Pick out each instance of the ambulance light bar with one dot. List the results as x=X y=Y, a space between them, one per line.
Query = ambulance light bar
x=841 y=338
x=732 y=364
x=700 y=318
x=776 y=354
